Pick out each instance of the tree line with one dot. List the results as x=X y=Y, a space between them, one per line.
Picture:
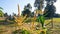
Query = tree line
x=50 y=9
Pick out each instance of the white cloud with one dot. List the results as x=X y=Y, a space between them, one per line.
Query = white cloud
x=57 y=4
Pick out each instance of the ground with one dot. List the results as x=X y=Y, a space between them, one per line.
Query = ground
x=8 y=29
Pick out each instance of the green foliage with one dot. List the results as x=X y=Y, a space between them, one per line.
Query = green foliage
x=27 y=10
x=28 y=6
x=25 y=32
x=2 y=20
x=1 y=13
x=21 y=32
x=32 y=14
x=5 y=15
x=51 y=0
x=39 y=4
x=42 y=32
x=50 y=9
x=41 y=20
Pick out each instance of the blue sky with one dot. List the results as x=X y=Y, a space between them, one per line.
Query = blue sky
x=10 y=6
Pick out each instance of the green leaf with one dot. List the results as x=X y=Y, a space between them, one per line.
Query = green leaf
x=41 y=20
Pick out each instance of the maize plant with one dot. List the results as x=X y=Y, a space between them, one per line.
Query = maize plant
x=20 y=20
x=41 y=19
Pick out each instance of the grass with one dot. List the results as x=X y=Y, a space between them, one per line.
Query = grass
x=55 y=20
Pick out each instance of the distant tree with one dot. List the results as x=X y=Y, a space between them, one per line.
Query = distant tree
x=28 y=6
x=32 y=14
x=10 y=17
x=50 y=10
x=27 y=10
x=14 y=14
x=57 y=15
x=49 y=1
x=5 y=15
x=39 y=4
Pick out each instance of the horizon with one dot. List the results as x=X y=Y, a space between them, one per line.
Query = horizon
x=10 y=6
